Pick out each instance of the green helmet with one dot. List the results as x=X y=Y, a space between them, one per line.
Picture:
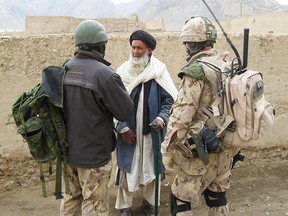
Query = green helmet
x=90 y=32
x=198 y=29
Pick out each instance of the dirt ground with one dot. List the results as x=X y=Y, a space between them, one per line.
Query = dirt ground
x=259 y=187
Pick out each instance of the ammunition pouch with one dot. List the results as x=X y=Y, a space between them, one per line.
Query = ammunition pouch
x=205 y=142
x=200 y=144
x=200 y=151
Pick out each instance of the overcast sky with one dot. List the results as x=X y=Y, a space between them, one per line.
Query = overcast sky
x=119 y=1
x=283 y=2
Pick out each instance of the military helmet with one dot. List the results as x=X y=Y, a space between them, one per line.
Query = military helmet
x=90 y=32
x=198 y=29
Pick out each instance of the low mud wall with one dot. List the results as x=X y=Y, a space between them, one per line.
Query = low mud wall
x=22 y=57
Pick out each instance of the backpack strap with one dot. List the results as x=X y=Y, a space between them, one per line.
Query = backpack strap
x=42 y=179
x=62 y=150
x=221 y=122
x=218 y=64
x=58 y=187
x=210 y=115
x=51 y=76
x=65 y=175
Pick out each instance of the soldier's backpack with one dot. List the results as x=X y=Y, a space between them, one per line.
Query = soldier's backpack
x=38 y=117
x=247 y=114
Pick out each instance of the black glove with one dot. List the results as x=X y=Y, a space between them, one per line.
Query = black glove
x=211 y=142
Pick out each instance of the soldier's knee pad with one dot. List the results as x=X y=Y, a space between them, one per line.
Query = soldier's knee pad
x=215 y=199
x=177 y=205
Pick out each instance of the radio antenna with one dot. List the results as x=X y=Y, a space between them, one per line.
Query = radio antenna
x=227 y=39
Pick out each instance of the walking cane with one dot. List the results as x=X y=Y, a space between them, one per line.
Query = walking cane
x=157 y=152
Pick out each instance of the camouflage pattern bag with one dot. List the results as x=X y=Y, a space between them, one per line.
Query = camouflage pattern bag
x=30 y=114
x=39 y=121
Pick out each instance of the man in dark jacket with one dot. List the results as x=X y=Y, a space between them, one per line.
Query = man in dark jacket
x=94 y=95
x=153 y=92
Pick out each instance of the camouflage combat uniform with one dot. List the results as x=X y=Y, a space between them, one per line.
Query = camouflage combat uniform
x=199 y=86
x=88 y=191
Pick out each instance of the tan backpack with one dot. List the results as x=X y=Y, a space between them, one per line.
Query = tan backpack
x=247 y=114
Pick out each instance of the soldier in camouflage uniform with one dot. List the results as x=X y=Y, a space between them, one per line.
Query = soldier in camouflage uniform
x=204 y=164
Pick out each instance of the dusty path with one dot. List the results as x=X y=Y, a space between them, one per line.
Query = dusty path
x=258 y=188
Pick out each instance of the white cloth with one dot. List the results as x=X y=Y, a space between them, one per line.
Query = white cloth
x=142 y=167
x=154 y=70
x=125 y=198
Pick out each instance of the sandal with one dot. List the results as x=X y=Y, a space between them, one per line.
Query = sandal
x=125 y=212
x=149 y=210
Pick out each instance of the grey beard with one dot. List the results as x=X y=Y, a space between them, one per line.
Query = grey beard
x=137 y=65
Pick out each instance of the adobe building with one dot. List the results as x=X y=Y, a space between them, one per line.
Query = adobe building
x=66 y=24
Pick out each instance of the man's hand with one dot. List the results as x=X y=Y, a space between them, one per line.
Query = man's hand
x=129 y=137
x=157 y=124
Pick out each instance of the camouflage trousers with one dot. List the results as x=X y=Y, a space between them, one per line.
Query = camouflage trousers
x=88 y=192
x=193 y=177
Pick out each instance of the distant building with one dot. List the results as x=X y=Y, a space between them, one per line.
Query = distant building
x=264 y=23
x=65 y=24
